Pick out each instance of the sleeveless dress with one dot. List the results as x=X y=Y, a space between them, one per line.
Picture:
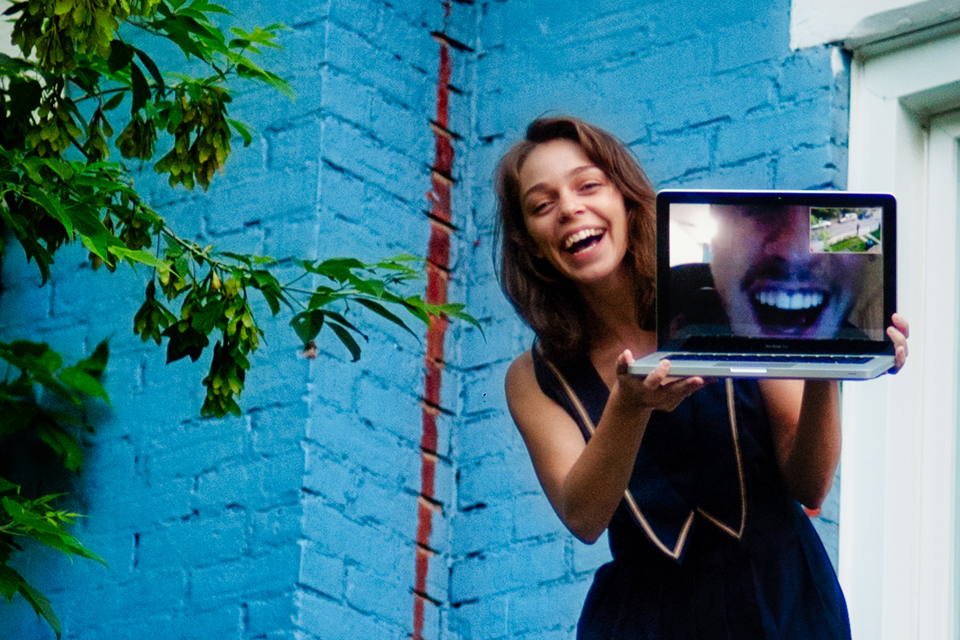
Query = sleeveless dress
x=707 y=542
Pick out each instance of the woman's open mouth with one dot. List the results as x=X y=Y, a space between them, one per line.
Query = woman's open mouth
x=582 y=240
x=787 y=311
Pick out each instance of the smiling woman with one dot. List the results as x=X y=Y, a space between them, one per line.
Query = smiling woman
x=697 y=483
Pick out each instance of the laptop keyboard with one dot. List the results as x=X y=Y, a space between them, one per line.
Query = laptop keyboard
x=768 y=358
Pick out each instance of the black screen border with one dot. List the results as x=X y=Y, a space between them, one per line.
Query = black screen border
x=729 y=344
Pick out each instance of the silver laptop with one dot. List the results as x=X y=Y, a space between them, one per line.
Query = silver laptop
x=774 y=284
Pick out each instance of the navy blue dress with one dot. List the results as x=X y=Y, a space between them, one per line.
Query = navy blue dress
x=707 y=542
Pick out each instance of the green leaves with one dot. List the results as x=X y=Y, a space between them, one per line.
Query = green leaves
x=37 y=520
x=33 y=371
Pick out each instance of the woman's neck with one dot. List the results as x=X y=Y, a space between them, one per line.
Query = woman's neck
x=613 y=305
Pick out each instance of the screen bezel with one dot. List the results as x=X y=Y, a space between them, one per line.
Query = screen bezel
x=733 y=344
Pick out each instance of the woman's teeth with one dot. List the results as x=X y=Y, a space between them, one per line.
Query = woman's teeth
x=790 y=301
x=581 y=239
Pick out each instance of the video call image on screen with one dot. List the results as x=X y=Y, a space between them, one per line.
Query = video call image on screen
x=776 y=271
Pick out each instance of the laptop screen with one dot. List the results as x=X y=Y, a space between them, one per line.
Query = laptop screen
x=768 y=271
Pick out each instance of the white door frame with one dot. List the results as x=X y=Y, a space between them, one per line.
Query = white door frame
x=898 y=513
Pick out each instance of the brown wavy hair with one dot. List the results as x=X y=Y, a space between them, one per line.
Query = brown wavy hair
x=547 y=302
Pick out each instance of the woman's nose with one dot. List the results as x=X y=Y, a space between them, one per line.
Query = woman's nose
x=570 y=204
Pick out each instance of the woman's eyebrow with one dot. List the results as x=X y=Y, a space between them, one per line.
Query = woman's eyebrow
x=542 y=186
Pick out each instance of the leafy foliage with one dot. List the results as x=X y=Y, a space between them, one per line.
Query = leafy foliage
x=58 y=185
x=37 y=520
x=37 y=373
x=63 y=107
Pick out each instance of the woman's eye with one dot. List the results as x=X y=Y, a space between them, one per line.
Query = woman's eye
x=539 y=207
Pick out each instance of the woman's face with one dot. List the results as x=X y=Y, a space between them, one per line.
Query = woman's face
x=573 y=212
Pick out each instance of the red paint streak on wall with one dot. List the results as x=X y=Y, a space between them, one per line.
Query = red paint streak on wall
x=438 y=259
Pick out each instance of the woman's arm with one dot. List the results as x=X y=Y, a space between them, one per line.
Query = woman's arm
x=805 y=424
x=585 y=481
x=805 y=421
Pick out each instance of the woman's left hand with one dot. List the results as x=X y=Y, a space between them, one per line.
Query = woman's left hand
x=899 y=332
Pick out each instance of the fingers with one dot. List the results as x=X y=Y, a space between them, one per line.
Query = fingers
x=901 y=324
x=899 y=333
x=623 y=361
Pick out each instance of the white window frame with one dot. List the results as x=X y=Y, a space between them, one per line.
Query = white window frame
x=898 y=497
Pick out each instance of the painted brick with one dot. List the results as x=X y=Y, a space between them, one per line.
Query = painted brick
x=382 y=598
x=323 y=573
x=678 y=155
x=751 y=42
x=257 y=485
x=588 y=557
x=533 y=517
x=482 y=619
x=360 y=543
x=807 y=73
x=346 y=98
x=555 y=607
x=809 y=168
x=17 y=272
x=483 y=389
x=278 y=429
x=330 y=384
x=669 y=66
x=265 y=617
x=279 y=193
x=486 y=435
x=497 y=477
x=256 y=12
x=354 y=54
x=194 y=542
x=141 y=505
x=154 y=590
x=76 y=294
x=171 y=392
x=756 y=174
x=408 y=40
x=331 y=620
x=389 y=408
x=275 y=527
x=401 y=128
x=193 y=447
x=706 y=100
x=766 y=133
x=476 y=348
x=384 y=505
x=482 y=527
x=360 y=16
x=430 y=14
x=280 y=380
x=294 y=145
x=490 y=573
x=382 y=454
x=333 y=478
x=257 y=576
x=350 y=148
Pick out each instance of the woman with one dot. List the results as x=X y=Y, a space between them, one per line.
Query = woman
x=697 y=481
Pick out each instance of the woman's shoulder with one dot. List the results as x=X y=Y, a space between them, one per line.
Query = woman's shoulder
x=521 y=373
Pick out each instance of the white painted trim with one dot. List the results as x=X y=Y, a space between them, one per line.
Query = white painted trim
x=937 y=594
x=859 y=22
x=898 y=454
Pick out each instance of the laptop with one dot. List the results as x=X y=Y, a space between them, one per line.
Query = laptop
x=774 y=284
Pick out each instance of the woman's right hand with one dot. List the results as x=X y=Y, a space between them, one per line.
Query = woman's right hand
x=654 y=391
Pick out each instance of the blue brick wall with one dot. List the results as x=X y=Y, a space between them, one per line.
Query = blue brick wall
x=706 y=94
x=298 y=519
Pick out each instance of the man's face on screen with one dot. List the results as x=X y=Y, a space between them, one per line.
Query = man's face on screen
x=770 y=282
